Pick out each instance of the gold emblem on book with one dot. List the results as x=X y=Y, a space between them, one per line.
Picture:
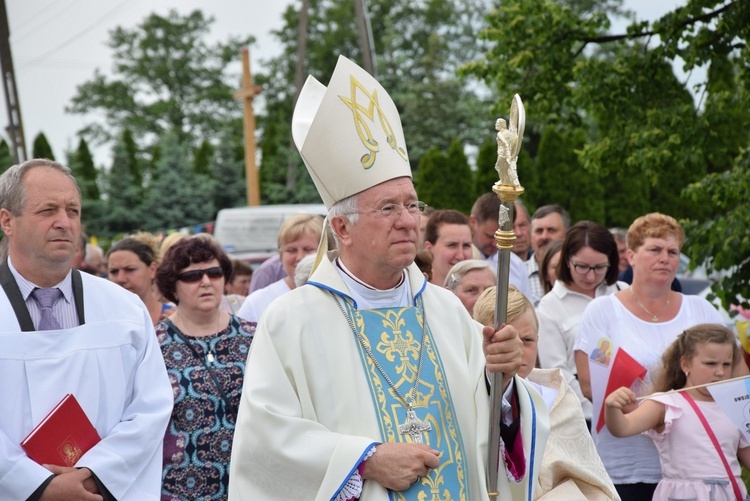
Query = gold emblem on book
x=69 y=451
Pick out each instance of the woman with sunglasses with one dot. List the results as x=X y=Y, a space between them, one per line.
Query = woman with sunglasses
x=204 y=350
x=587 y=269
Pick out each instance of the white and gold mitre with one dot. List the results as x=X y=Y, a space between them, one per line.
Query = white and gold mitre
x=349 y=133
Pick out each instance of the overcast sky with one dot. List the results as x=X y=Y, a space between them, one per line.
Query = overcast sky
x=57 y=45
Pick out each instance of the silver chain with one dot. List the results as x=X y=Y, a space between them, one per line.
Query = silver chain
x=361 y=340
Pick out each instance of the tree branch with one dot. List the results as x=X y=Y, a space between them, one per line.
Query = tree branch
x=629 y=36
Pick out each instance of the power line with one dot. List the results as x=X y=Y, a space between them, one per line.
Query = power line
x=51 y=15
x=87 y=29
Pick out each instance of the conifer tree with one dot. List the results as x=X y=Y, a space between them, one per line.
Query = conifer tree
x=123 y=213
x=176 y=197
x=6 y=158
x=41 y=148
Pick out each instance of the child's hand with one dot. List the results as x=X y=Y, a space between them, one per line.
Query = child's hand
x=622 y=398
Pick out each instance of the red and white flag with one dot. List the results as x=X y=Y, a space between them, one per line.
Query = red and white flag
x=610 y=367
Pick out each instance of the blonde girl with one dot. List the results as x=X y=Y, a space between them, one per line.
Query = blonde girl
x=694 y=464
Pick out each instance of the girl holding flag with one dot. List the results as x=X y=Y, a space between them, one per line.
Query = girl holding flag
x=699 y=446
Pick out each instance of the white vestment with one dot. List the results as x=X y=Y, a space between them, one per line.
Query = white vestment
x=306 y=418
x=113 y=366
x=571 y=468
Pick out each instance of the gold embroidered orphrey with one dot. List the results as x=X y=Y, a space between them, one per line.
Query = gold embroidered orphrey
x=360 y=111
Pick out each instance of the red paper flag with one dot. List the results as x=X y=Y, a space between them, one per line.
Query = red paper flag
x=625 y=370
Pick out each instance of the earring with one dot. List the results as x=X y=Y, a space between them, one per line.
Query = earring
x=687 y=373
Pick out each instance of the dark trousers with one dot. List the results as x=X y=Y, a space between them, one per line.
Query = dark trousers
x=636 y=492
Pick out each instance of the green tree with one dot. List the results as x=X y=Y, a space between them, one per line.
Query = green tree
x=228 y=170
x=648 y=133
x=41 y=148
x=562 y=180
x=430 y=178
x=444 y=180
x=81 y=163
x=418 y=47
x=176 y=197
x=86 y=173
x=167 y=78
x=6 y=158
x=202 y=157
x=486 y=176
x=122 y=213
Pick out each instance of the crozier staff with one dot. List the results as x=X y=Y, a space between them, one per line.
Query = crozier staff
x=368 y=324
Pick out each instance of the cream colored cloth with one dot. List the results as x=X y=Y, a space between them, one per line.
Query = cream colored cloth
x=306 y=417
x=571 y=468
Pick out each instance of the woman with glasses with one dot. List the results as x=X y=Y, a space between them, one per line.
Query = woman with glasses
x=642 y=321
x=204 y=350
x=298 y=237
x=587 y=269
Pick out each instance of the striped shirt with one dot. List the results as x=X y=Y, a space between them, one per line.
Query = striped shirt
x=64 y=308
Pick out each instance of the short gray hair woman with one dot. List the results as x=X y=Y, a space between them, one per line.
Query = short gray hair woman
x=468 y=279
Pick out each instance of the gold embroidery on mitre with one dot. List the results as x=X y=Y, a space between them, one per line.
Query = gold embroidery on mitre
x=363 y=130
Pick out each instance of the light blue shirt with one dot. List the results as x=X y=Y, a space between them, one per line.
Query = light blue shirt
x=64 y=308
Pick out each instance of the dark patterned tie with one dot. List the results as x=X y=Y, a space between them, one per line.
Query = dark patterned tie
x=46 y=298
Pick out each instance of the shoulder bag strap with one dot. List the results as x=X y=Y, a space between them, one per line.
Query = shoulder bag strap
x=231 y=409
x=714 y=441
x=15 y=298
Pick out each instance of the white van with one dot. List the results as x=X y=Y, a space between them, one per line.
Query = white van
x=250 y=233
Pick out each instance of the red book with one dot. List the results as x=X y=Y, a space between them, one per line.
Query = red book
x=63 y=436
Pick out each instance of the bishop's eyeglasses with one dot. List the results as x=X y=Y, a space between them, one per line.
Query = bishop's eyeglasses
x=393 y=211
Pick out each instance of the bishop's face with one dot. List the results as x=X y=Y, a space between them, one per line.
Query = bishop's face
x=378 y=248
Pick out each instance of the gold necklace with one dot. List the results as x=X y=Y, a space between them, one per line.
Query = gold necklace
x=654 y=318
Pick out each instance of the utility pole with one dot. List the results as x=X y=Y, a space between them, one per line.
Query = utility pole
x=299 y=80
x=15 y=126
x=366 y=44
x=246 y=93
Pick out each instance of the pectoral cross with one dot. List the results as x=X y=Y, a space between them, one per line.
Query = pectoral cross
x=414 y=427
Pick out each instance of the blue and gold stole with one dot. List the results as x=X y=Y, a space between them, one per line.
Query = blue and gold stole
x=394 y=337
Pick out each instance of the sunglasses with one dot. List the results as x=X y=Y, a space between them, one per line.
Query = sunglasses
x=196 y=275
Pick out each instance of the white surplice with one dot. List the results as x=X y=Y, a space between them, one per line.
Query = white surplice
x=113 y=366
x=306 y=416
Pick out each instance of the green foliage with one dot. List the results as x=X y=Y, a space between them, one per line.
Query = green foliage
x=202 y=157
x=123 y=212
x=228 y=170
x=6 y=157
x=485 y=176
x=176 y=197
x=167 y=78
x=41 y=148
x=562 y=180
x=82 y=165
x=430 y=178
x=418 y=47
x=444 y=180
x=648 y=134
x=721 y=241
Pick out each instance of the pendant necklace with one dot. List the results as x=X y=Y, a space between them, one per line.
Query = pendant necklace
x=413 y=425
x=654 y=318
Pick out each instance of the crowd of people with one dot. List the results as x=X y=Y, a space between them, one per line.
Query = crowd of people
x=357 y=362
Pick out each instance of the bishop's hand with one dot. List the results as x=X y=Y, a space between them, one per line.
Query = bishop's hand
x=396 y=466
x=503 y=351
